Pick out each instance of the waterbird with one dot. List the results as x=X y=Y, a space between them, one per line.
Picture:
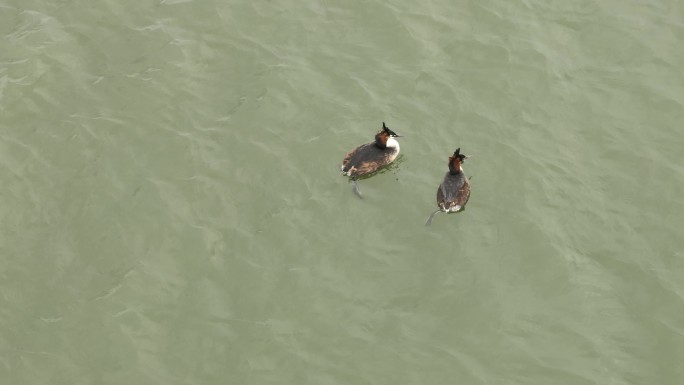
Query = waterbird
x=371 y=157
x=454 y=191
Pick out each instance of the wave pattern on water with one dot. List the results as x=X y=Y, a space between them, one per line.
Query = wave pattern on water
x=173 y=211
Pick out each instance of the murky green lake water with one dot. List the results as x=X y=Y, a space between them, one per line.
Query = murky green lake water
x=173 y=213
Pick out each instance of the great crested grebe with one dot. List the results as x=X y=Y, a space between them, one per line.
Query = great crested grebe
x=454 y=191
x=371 y=157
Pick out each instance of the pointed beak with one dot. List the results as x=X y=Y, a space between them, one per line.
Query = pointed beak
x=397 y=136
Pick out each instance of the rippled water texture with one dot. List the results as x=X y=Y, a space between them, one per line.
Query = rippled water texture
x=173 y=213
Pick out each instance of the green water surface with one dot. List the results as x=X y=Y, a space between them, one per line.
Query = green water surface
x=173 y=212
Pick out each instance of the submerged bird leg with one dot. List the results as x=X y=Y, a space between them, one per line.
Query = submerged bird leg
x=429 y=220
x=355 y=188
